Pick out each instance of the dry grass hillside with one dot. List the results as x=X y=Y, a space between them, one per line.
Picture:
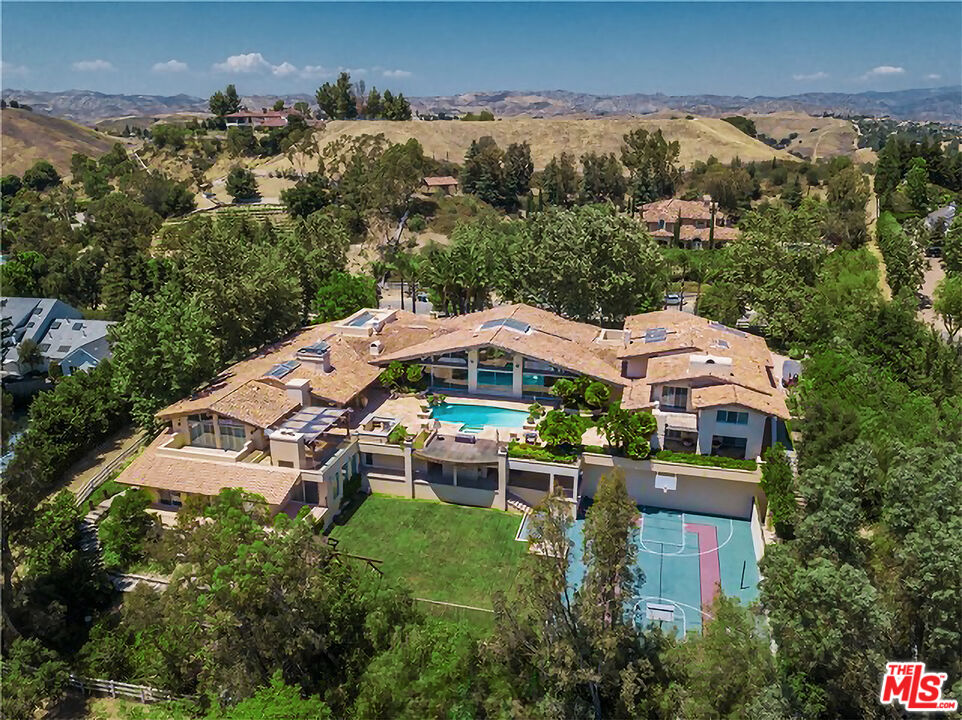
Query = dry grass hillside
x=28 y=137
x=817 y=136
x=699 y=137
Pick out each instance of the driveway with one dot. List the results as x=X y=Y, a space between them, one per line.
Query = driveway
x=934 y=273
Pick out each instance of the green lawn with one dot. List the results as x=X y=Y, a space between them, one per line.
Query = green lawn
x=443 y=552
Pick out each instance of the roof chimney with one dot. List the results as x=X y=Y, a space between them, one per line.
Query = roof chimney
x=317 y=354
x=299 y=390
x=377 y=347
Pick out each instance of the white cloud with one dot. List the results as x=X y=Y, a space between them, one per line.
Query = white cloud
x=92 y=65
x=316 y=71
x=284 y=69
x=396 y=74
x=933 y=76
x=8 y=68
x=255 y=62
x=884 y=71
x=245 y=63
x=808 y=77
x=173 y=66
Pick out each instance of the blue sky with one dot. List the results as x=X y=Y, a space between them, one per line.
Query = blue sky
x=445 y=48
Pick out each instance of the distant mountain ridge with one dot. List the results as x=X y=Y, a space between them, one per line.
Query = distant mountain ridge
x=942 y=104
x=925 y=104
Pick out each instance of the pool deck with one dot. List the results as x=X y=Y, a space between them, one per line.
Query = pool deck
x=487 y=401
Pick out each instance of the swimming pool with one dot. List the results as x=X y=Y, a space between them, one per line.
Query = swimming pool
x=475 y=417
x=361 y=320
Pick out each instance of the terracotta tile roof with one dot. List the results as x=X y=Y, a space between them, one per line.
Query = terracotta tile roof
x=684 y=330
x=243 y=392
x=256 y=403
x=206 y=476
x=551 y=339
x=440 y=181
x=727 y=233
x=637 y=396
x=670 y=368
x=771 y=404
x=669 y=210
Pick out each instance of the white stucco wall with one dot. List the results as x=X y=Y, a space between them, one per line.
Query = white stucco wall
x=706 y=490
x=754 y=431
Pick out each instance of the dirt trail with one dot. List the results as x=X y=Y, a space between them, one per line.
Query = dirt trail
x=871 y=216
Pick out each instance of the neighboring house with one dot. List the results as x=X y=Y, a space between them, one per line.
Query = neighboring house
x=264 y=118
x=445 y=183
x=59 y=330
x=943 y=216
x=299 y=419
x=695 y=217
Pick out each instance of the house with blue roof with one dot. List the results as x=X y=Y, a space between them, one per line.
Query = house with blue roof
x=60 y=331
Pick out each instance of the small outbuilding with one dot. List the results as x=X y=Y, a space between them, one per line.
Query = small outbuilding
x=445 y=183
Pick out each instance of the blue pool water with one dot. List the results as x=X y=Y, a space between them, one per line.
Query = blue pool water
x=475 y=417
x=361 y=319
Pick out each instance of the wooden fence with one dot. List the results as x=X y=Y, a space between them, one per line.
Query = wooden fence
x=101 y=477
x=114 y=689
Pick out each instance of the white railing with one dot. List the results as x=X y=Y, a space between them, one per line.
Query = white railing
x=101 y=477
x=138 y=693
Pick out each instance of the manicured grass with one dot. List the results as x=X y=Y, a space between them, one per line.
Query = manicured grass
x=443 y=552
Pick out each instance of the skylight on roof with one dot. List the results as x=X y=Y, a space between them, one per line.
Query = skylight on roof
x=653 y=335
x=78 y=326
x=509 y=323
x=319 y=348
x=284 y=368
x=718 y=326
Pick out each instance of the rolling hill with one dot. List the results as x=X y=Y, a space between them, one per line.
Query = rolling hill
x=448 y=140
x=29 y=136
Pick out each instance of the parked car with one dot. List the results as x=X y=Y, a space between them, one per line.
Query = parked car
x=673 y=299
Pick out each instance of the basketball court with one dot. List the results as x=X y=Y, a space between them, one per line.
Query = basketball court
x=684 y=557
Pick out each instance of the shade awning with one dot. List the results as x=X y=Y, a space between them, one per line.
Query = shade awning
x=682 y=421
x=312 y=422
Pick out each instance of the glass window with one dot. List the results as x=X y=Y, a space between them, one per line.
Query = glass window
x=493 y=358
x=170 y=498
x=201 y=430
x=496 y=379
x=674 y=397
x=232 y=434
x=732 y=417
x=459 y=359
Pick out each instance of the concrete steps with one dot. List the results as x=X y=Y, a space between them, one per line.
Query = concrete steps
x=518 y=504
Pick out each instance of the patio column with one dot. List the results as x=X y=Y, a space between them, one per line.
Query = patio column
x=551 y=483
x=473 y=371
x=502 y=479
x=517 y=386
x=454 y=469
x=408 y=468
x=574 y=486
x=216 y=431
